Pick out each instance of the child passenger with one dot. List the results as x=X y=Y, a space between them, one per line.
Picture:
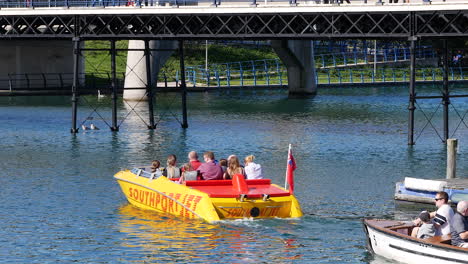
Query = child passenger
x=252 y=169
x=188 y=173
x=156 y=169
x=155 y=165
x=172 y=171
x=223 y=163
x=427 y=229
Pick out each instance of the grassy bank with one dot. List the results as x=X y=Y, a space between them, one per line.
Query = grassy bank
x=194 y=54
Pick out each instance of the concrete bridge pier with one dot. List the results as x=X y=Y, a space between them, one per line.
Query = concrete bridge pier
x=298 y=56
x=136 y=76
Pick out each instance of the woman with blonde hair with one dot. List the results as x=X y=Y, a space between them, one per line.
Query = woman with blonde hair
x=252 y=169
x=171 y=171
x=233 y=168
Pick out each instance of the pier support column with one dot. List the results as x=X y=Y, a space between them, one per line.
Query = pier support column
x=183 y=85
x=76 y=68
x=445 y=92
x=149 y=86
x=114 y=126
x=412 y=93
x=298 y=56
x=135 y=76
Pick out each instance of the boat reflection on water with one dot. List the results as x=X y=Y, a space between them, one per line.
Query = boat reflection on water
x=162 y=237
x=381 y=260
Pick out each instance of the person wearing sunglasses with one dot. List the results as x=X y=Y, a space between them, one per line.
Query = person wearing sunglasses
x=441 y=218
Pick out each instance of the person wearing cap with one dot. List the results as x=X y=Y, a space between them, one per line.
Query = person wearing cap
x=427 y=229
x=459 y=225
x=441 y=218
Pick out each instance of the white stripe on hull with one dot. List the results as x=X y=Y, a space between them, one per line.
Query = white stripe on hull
x=412 y=252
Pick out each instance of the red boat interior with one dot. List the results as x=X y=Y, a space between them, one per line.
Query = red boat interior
x=255 y=188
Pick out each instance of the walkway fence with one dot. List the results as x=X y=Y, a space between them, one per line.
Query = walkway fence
x=273 y=72
x=272 y=75
x=368 y=56
x=387 y=75
x=58 y=81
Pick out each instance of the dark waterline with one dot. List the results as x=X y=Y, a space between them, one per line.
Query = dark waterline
x=61 y=204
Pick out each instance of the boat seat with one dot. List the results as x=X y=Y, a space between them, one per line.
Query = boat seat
x=403 y=229
x=226 y=182
x=445 y=239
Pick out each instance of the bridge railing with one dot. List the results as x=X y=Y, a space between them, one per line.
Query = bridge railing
x=113 y=3
x=93 y=3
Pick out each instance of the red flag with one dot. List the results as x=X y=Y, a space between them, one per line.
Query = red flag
x=290 y=171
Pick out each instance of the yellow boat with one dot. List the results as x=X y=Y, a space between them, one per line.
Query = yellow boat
x=212 y=200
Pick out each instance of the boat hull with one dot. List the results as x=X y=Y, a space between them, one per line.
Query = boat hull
x=165 y=196
x=405 y=249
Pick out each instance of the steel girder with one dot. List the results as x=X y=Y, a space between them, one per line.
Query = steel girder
x=437 y=24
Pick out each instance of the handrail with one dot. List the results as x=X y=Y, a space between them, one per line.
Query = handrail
x=162 y=3
x=275 y=76
x=238 y=78
x=387 y=55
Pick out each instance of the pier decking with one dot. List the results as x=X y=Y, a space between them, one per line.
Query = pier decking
x=457 y=189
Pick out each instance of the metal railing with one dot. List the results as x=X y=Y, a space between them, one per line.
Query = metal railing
x=273 y=72
x=387 y=75
x=274 y=75
x=240 y=73
x=139 y=3
x=57 y=81
x=368 y=56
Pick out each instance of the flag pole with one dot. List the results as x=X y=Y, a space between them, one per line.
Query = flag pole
x=286 y=174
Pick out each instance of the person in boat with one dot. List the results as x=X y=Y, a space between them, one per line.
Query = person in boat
x=223 y=163
x=252 y=169
x=171 y=171
x=156 y=168
x=427 y=228
x=188 y=173
x=459 y=225
x=210 y=170
x=193 y=160
x=234 y=167
x=155 y=165
x=441 y=218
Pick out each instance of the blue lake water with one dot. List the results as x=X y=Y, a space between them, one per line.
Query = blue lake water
x=60 y=203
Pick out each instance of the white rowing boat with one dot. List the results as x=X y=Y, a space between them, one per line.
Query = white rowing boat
x=392 y=240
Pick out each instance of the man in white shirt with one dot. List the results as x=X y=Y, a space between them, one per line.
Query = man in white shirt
x=441 y=218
